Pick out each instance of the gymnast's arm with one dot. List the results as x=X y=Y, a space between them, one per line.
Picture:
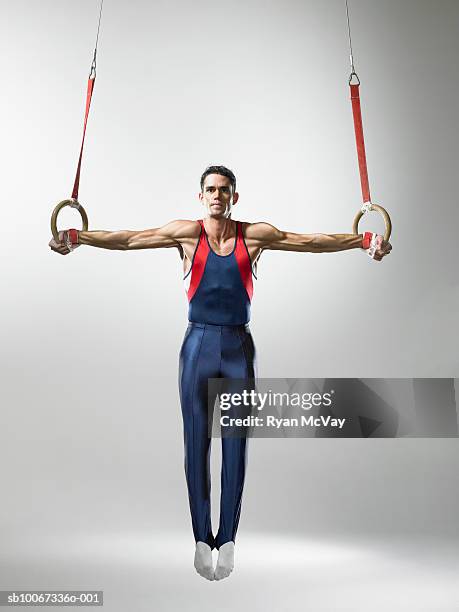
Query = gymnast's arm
x=173 y=234
x=265 y=236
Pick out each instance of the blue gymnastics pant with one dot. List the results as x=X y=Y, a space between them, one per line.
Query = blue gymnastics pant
x=213 y=351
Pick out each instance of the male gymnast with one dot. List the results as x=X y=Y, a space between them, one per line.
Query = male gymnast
x=219 y=257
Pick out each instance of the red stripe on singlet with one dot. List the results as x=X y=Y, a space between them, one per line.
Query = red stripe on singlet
x=243 y=261
x=199 y=263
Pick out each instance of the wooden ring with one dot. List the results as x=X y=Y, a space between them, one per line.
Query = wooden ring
x=385 y=215
x=74 y=204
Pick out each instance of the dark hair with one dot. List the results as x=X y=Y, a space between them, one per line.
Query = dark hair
x=223 y=171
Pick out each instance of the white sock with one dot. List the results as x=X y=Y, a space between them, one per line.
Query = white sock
x=203 y=560
x=225 y=563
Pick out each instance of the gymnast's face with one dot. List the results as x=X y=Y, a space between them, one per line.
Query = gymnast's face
x=217 y=196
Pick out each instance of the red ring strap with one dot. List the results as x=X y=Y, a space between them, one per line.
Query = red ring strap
x=358 y=128
x=76 y=184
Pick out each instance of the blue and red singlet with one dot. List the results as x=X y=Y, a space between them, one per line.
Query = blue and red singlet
x=220 y=287
x=217 y=344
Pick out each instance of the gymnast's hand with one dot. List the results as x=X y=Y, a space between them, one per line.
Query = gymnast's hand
x=375 y=246
x=64 y=246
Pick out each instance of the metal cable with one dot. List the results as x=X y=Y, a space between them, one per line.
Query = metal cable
x=93 y=65
x=351 y=56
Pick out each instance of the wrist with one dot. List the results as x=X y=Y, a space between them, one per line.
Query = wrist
x=367 y=238
x=371 y=243
x=71 y=238
x=358 y=241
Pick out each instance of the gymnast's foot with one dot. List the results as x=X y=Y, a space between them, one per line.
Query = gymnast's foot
x=225 y=563
x=203 y=560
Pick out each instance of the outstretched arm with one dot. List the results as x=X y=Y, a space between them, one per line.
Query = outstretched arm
x=269 y=237
x=170 y=235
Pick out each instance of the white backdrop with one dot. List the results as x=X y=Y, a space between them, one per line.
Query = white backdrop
x=89 y=342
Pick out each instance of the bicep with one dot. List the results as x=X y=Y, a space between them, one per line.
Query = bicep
x=150 y=239
x=165 y=237
x=271 y=238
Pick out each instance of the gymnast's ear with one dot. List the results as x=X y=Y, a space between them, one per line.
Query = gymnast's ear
x=235 y=198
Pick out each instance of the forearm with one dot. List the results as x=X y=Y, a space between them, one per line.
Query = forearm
x=315 y=243
x=125 y=240
x=106 y=240
x=330 y=243
x=265 y=236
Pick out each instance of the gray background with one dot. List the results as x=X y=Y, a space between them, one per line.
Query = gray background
x=91 y=437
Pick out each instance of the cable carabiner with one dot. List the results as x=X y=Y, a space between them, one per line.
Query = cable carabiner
x=352 y=75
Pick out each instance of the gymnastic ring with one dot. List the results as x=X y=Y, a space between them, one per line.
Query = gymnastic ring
x=385 y=215
x=73 y=204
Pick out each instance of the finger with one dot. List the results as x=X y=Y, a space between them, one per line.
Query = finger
x=61 y=238
x=61 y=250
